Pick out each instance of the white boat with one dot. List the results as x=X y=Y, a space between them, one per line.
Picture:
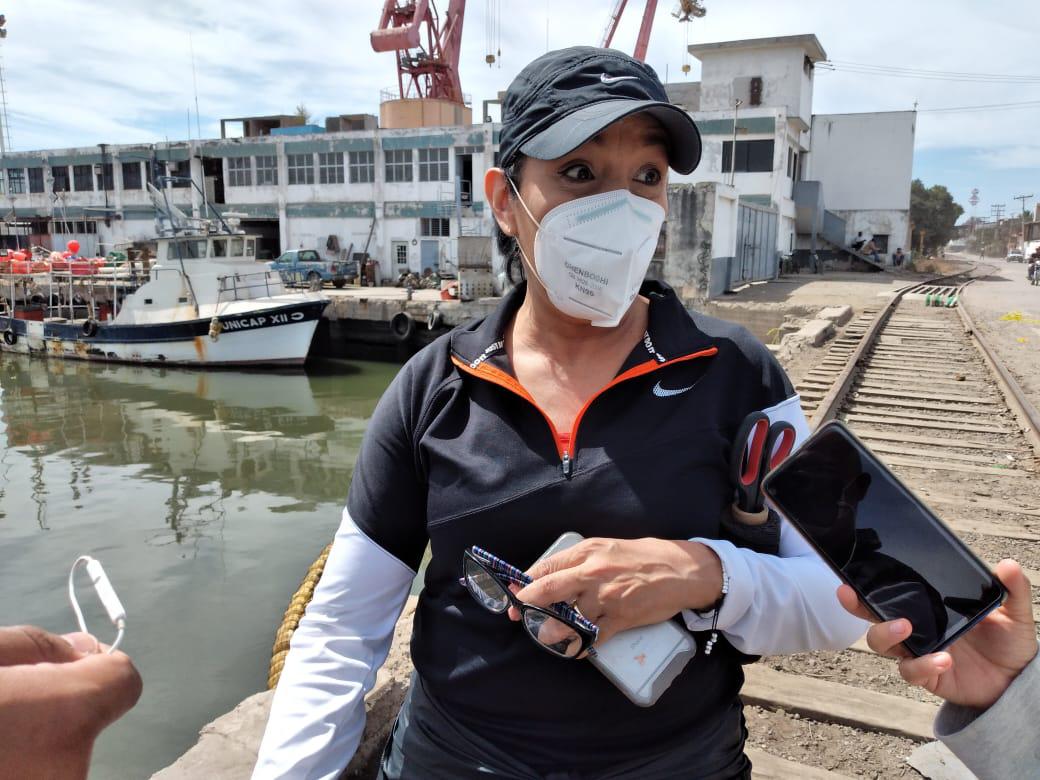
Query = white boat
x=206 y=301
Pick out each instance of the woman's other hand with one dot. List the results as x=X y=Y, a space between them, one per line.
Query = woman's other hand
x=623 y=583
x=976 y=669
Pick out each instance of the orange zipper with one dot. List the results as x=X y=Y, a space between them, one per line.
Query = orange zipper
x=565 y=443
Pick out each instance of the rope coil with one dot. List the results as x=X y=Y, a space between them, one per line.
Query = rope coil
x=297 y=606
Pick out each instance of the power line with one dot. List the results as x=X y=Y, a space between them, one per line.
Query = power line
x=987 y=107
x=921 y=73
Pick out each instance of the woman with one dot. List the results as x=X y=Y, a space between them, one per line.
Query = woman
x=583 y=403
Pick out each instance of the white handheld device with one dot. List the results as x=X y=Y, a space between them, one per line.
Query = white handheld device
x=106 y=593
x=642 y=662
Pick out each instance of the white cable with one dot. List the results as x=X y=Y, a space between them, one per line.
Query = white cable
x=106 y=593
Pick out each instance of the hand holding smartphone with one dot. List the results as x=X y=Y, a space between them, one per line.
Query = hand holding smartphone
x=879 y=538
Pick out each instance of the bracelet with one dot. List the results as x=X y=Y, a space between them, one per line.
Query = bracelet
x=716 y=608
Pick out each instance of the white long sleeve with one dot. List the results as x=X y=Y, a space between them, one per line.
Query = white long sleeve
x=318 y=713
x=785 y=603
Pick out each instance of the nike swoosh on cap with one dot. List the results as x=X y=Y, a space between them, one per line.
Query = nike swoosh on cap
x=611 y=79
x=662 y=392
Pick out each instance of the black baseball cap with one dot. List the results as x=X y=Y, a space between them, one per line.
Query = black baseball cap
x=565 y=97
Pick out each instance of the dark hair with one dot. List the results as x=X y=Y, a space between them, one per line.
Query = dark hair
x=507 y=245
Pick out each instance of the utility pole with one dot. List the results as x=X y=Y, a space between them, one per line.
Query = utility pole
x=997 y=212
x=1022 y=215
x=5 y=130
x=733 y=152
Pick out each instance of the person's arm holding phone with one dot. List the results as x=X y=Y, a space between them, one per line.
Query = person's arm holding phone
x=989 y=678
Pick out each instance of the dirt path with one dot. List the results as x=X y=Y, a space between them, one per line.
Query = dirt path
x=1006 y=309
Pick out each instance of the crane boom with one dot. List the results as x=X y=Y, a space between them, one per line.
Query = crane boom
x=615 y=17
x=427 y=47
x=643 y=39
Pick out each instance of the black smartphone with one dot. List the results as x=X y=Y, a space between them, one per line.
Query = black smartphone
x=881 y=539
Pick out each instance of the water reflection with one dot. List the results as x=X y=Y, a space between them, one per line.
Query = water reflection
x=205 y=495
x=192 y=431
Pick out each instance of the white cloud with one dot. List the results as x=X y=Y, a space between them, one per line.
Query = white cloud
x=1010 y=158
x=80 y=73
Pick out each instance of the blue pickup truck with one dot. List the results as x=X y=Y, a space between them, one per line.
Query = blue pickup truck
x=306 y=267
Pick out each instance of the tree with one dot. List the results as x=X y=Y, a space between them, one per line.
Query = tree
x=303 y=113
x=933 y=214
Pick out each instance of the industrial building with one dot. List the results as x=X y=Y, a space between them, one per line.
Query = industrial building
x=787 y=181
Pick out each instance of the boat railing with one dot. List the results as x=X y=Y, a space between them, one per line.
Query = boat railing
x=244 y=287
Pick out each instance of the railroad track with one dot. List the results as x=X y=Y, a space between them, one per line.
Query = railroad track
x=912 y=380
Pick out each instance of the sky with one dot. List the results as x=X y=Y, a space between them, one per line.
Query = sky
x=79 y=73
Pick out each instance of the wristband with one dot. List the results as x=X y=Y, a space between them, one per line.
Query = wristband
x=716 y=607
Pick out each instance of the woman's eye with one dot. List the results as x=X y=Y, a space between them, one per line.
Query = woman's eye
x=578 y=172
x=650 y=176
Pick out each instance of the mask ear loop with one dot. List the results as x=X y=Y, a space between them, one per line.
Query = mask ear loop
x=530 y=262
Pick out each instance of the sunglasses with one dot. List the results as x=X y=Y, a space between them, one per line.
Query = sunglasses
x=559 y=628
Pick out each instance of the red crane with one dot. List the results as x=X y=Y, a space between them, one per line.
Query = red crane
x=427 y=47
x=643 y=39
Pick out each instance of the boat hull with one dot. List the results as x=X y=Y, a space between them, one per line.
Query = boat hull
x=277 y=336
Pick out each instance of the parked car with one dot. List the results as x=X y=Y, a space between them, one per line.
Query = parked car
x=306 y=266
x=1016 y=257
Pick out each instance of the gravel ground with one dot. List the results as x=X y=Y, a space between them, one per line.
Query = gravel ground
x=841 y=749
x=1016 y=340
x=850 y=667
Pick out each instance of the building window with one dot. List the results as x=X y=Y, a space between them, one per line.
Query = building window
x=330 y=167
x=83 y=178
x=433 y=165
x=61 y=178
x=301 y=168
x=240 y=171
x=881 y=242
x=104 y=178
x=398 y=164
x=131 y=176
x=790 y=163
x=434 y=227
x=362 y=167
x=15 y=181
x=35 y=179
x=266 y=169
x=154 y=169
x=401 y=255
x=79 y=227
x=752 y=156
x=181 y=173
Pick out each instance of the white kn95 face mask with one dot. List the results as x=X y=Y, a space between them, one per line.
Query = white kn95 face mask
x=591 y=253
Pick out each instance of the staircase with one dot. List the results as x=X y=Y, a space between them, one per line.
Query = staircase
x=833 y=233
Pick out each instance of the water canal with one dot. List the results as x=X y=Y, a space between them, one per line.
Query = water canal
x=205 y=495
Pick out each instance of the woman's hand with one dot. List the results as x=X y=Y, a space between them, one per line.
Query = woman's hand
x=976 y=669
x=624 y=583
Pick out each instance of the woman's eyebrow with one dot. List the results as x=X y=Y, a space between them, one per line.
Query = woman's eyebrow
x=649 y=137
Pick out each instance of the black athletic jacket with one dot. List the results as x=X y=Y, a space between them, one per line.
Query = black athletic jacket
x=458 y=454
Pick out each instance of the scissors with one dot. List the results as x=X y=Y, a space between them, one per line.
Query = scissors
x=758 y=448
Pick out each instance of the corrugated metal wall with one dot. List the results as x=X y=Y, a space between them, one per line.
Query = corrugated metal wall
x=756 y=244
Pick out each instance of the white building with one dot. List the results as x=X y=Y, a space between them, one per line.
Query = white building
x=405 y=196
x=401 y=196
x=796 y=173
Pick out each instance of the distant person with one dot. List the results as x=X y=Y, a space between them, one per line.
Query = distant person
x=990 y=679
x=860 y=241
x=57 y=694
x=898 y=258
x=870 y=250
